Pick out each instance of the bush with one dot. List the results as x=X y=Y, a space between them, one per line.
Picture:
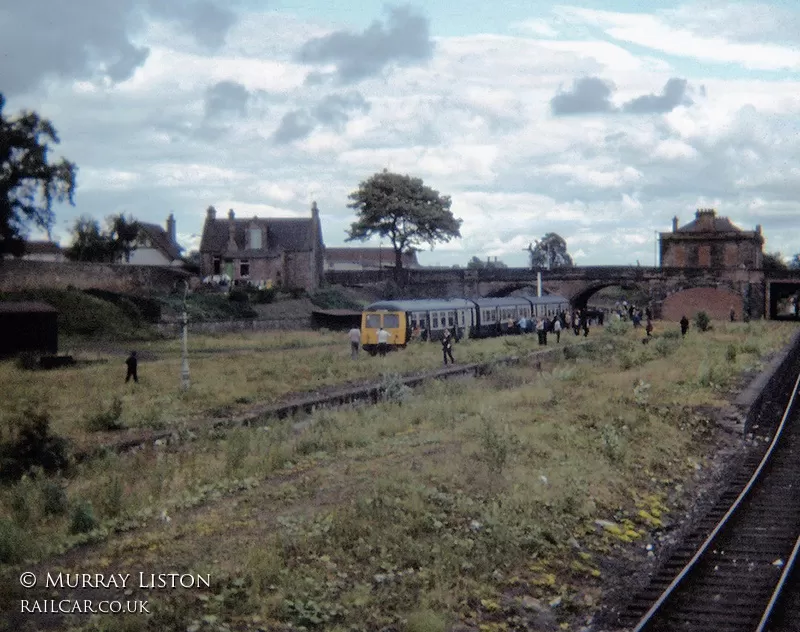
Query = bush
x=83 y=518
x=28 y=361
x=238 y=295
x=617 y=327
x=296 y=292
x=107 y=419
x=14 y=542
x=136 y=307
x=263 y=296
x=54 y=498
x=30 y=444
x=672 y=334
x=333 y=298
x=730 y=353
x=665 y=346
x=702 y=321
x=393 y=390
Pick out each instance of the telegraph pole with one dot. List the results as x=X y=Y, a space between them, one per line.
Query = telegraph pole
x=185 y=343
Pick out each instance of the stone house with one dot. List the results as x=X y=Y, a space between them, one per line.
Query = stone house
x=366 y=259
x=279 y=251
x=711 y=242
x=156 y=246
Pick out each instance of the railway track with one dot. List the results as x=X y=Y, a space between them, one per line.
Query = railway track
x=740 y=569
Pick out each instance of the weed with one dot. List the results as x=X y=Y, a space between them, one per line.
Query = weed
x=393 y=390
x=113 y=497
x=612 y=443
x=264 y=564
x=83 y=519
x=495 y=447
x=702 y=321
x=425 y=620
x=641 y=392
x=15 y=542
x=107 y=419
x=730 y=353
x=617 y=327
x=665 y=345
x=54 y=498
x=672 y=334
x=237 y=447
x=31 y=444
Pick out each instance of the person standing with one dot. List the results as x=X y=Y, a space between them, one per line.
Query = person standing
x=383 y=342
x=684 y=325
x=733 y=314
x=557 y=328
x=132 y=363
x=355 y=341
x=447 y=347
x=649 y=328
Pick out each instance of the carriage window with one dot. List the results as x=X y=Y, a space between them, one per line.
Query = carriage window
x=373 y=321
x=462 y=319
x=450 y=321
x=435 y=324
x=391 y=321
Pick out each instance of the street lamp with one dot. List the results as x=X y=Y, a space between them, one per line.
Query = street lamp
x=185 y=342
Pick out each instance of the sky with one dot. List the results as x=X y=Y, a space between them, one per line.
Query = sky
x=597 y=120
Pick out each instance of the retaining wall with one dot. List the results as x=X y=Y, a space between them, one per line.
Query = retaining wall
x=228 y=326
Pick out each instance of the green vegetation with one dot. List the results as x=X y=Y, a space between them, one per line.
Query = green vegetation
x=488 y=501
x=334 y=298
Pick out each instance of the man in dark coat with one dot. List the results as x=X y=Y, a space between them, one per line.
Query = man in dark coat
x=684 y=325
x=131 y=362
x=447 y=347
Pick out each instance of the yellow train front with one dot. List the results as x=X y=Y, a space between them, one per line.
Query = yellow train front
x=394 y=321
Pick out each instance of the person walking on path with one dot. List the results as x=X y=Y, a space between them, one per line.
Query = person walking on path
x=557 y=328
x=132 y=363
x=355 y=341
x=684 y=325
x=447 y=347
x=649 y=328
x=383 y=342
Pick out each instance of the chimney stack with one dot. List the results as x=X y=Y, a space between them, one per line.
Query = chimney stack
x=675 y=224
x=211 y=213
x=171 y=228
x=231 y=231
x=758 y=228
x=314 y=210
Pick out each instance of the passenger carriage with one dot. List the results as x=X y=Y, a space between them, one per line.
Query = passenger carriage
x=477 y=318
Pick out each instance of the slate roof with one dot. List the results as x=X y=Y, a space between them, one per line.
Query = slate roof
x=42 y=248
x=283 y=233
x=160 y=240
x=369 y=256
x=718 y=225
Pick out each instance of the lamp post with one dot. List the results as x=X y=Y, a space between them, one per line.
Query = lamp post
x=185 y=342
x=655 y=248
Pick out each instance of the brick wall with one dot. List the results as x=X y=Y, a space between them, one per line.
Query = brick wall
x=715 y=302
x=18 y=274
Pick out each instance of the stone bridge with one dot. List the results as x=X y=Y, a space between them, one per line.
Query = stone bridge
x=672 y=291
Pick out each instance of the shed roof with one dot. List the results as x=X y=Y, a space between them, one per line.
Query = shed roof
x=26 y=307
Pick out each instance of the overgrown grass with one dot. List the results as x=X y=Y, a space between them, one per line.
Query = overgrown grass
x=449 y=503
x=221 y=382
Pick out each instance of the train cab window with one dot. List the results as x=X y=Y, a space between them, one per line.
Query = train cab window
x=391 y=321
x=373 y=321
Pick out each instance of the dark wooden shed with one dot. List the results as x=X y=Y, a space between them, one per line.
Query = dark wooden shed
x=28 y=326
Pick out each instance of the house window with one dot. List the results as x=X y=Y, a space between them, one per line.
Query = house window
x=216 y=262
x=255 y=238
x=244 y=268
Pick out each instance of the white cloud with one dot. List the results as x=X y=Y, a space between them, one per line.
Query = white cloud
x=653 y=32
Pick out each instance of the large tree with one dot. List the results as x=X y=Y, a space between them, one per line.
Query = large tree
x=123 y=231
x=550 y=252
x=794 y=264
x=28 y=183
x=773 y=261
x=404 y=210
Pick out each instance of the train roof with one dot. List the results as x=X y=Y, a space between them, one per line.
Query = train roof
x=428 y=304
x=421 y=305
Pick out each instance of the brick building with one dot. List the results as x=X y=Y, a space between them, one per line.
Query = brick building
x=711 y=242
x=286 y=252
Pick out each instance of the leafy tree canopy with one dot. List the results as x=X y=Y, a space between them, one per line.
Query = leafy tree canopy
x=91 y=243
x=794 y=264
x=550 y=252
x=404 y=210
x=479 y=264
x=773 y=261
x=28 y=183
